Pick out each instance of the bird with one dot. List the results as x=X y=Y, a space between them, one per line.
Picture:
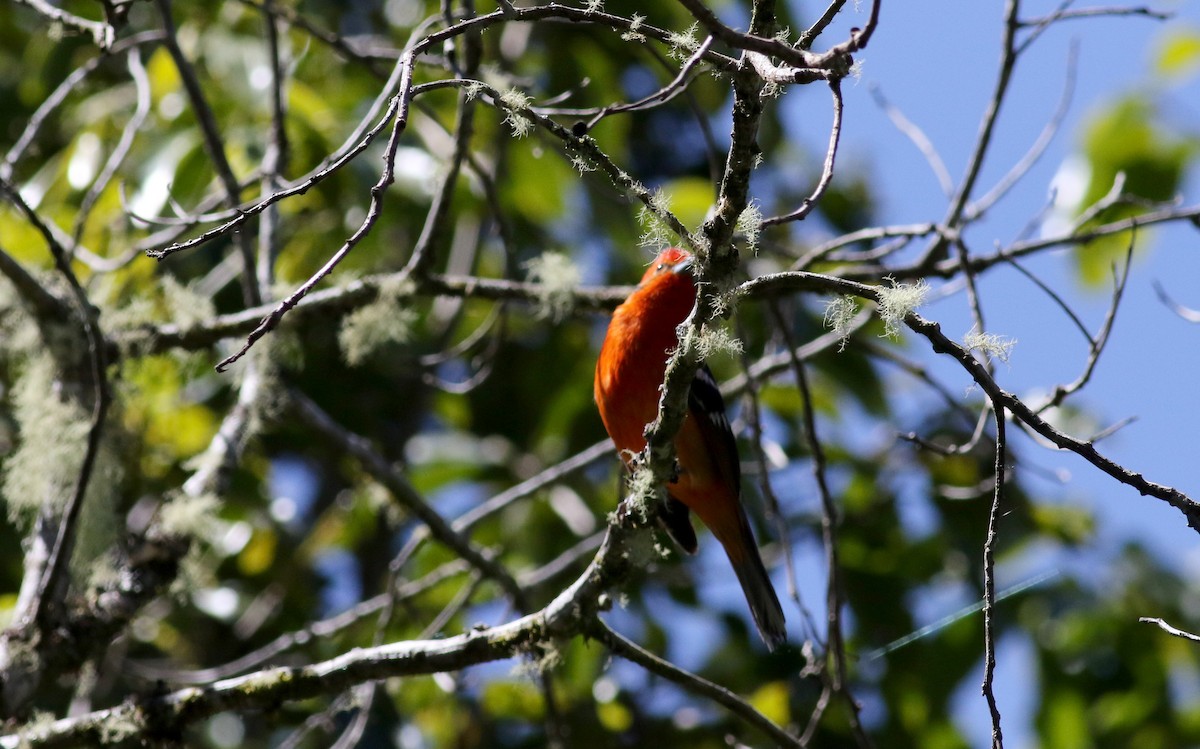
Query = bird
x=629 y=377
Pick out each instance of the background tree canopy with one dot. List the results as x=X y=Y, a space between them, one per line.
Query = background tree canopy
x=301 y=303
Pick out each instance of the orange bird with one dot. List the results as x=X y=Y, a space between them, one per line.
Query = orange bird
x=629 y=377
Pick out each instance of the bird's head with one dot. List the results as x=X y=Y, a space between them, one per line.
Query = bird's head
x=672 y=261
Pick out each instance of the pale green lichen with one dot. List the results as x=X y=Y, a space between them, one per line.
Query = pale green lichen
x=53 y=438
x=839 y=316
x=749 y=224
x=171 y=302
x=595 y=6
x=642 y=492
x=655 y=230
x=196 y=572
x=382 y=322
x=635 y=23
x=582 y=163
x=542 y=657
x=991 y=345
x=559 y=278
x=684 y=43
x=898 y=302
x=516 y=103
x=714 y=340
x=187 y=307
x=119 y=727
x=99 y=526
x=36 y=726
x=660 y=201
x=185 y=515
x=140 y=310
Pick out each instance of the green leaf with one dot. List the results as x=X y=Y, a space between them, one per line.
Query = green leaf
x=1179 y=55
x=1064 y=721
x=1125 y=139
x=690 y=199
x=771 y=699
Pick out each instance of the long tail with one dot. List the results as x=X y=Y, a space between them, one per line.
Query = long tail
x=742 y=551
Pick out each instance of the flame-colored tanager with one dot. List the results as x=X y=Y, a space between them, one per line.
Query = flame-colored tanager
x=629 y=378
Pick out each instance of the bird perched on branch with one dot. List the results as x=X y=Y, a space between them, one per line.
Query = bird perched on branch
x=629 y=379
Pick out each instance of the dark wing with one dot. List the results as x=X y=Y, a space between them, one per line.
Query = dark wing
x=676 y=520
x=708 y=407
x=705 y=401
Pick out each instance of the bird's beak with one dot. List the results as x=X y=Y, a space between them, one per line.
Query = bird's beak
x=683 y=265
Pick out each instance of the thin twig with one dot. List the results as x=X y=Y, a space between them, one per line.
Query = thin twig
x=989 y=583
x=1169 y=629
x=903 y=231
x=421 y=260
x=835 y=132
x=1096 y=345
x=141 y=82
x=1035 y=152
x=335 y=42
x=634 y=653
x=839 y=681
x=809 y=35
x=102 y=33
x=687 y=72
x=97 y=364
x=952 y=267
x=322 y=629
x=402 y=491
x=399 y=110
x=214 y=145
x=569 y=614
x=274 y=163
x=59 y=95
x=940 y=343
x=1055 y=297
x=1186 y=313
x=918 y=138
x=774 y=512
x=358 y=141
x=983 y=141
x=1038 y=24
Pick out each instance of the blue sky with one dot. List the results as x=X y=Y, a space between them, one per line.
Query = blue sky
x=937 y=61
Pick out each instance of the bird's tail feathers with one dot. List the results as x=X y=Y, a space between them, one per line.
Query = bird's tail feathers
x=756 y=584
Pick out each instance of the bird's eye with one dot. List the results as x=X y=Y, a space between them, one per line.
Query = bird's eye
x=660 y=267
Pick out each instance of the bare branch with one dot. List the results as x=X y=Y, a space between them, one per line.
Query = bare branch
x=398 y=109
x=569 y=614
x=92 y=362
x=101 y=33
x=835 y=88
x=1169 y=629
x=940 y=343
x=1186 y=313
x=1034 y=154
x=829 y=521
x=141 y=82
x=989 y=581
x=812 y=32
x=915 y=134
x=214 y=146
x=403 y=492
x=1095 y=345
x=634 y=653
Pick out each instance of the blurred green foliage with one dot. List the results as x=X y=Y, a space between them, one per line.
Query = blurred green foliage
x=1131 y=137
